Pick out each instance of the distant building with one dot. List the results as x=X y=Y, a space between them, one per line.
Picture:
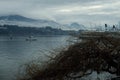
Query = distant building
x=106 y=27
x=114 y=28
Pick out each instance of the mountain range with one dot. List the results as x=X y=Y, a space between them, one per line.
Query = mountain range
x=29 y=22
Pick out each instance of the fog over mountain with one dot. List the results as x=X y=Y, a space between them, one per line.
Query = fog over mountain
x=77 y=26
x=29 y=22
x=65 y=11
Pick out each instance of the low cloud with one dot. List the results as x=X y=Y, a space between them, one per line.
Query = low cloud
x=65 y=11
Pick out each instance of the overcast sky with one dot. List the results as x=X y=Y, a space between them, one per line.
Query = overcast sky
x=65 y=11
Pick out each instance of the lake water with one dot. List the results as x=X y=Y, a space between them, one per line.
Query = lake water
x=18 y=51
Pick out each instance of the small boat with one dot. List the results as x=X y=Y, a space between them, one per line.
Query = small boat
x=11 y=37
x=30 y=38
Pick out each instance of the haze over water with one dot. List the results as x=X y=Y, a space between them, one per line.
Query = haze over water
x=17 y=52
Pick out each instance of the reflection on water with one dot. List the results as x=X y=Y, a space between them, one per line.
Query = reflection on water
x=17 y=51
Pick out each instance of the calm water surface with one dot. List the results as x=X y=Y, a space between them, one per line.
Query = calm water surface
x=18 y=51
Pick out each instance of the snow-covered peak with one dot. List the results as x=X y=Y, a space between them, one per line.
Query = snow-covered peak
x=27 y=22
x=16 y=18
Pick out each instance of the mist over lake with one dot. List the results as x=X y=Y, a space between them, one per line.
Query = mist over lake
x=16 y=52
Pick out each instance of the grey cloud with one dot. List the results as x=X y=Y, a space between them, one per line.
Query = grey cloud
x=64 y=11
